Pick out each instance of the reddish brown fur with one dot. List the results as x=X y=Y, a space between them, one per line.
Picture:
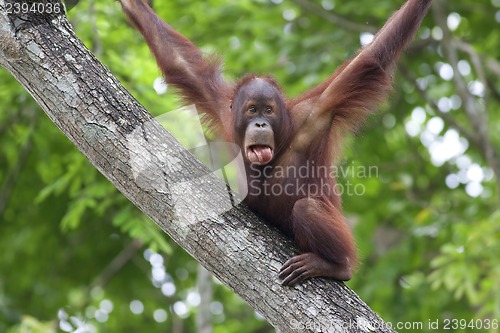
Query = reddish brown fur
x=307 y=134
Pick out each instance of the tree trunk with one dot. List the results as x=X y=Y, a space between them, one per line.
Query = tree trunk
x=157 y=174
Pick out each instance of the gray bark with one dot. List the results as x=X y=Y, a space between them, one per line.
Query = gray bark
x=157 y=174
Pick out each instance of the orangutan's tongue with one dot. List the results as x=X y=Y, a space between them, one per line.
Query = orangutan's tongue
x=260 y=154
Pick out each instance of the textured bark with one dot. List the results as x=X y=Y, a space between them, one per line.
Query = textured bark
x=158 y=175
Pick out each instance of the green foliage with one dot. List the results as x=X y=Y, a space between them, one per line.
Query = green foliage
x=71 y=244
x=469 y=266
x=32 y=325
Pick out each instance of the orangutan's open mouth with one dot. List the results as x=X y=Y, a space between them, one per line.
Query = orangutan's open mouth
x=260 y=154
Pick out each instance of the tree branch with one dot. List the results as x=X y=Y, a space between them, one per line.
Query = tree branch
x=158 y=175
x=478 y=62
x=335 y=19
x=204 y=285
x=477 y=115
x=432 y=103
x=116 y=264
x=492 y=64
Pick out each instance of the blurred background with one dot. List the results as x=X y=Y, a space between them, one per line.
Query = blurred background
x=76 y=256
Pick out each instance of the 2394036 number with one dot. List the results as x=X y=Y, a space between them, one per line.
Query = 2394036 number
x=34 y=8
